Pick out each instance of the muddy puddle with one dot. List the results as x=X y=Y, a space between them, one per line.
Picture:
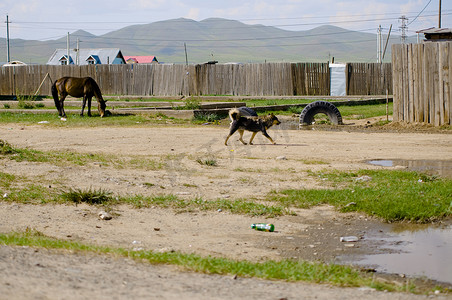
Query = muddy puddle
x=420 y=251
x=414 y=250
x=433 y=167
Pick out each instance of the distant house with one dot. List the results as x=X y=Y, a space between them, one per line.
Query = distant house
x=109 y=56
x=14 y=63
x=140 y=59
x=437 y=34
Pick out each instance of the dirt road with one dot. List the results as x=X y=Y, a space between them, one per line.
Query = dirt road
x=240 y=172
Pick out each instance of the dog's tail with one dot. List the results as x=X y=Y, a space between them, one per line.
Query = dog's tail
x=243 y=111
x=234 y=114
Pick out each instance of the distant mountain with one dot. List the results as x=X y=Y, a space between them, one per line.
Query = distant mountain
x=214 y=39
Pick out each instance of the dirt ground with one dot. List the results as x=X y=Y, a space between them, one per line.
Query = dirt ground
x=240 y=172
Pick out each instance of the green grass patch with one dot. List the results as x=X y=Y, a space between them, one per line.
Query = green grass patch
x=112 y=98
x=390 y=195
x=286 y=270
x=265 y=102
x=31 y=194
x=89 y=196
x=365 y=111
x=347 y=111
x=6 y=180
x=20 y=190
x=313 y=162
x=201 y=118
x=82 y=159
x=207 y=161
x=239 y=206
x=75 y=120
x=19 y=154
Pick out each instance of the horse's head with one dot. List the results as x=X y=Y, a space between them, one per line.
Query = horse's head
x=101 y=107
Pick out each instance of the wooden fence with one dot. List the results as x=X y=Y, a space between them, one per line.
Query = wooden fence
x=421 y=79
x=266 y=79
x=369 y=79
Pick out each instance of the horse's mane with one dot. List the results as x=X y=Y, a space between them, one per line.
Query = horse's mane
x=97 y=92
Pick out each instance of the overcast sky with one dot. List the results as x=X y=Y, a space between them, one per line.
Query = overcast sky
x=52 y=19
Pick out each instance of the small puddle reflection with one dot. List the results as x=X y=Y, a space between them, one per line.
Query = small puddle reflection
x=432 y=167
x=418 y=251
x=289 y=125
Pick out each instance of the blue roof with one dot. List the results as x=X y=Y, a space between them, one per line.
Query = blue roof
x=98 y=55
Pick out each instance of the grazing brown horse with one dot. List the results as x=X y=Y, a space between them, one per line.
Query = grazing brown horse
x=84 y=87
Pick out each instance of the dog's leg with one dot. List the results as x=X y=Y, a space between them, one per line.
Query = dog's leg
x=241 y=136
x=234 y=127
x=252 y=138
x=226 y=141
x=268 y=137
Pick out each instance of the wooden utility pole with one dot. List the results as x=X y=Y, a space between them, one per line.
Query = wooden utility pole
x=439 y=15
x=68 y=53
x=186 y=57
x=8 y=58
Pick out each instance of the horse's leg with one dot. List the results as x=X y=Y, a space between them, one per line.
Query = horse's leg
x=89 y=106
x=83 y=105
x=61 y=111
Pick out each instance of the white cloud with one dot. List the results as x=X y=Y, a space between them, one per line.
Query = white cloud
x=193 y=13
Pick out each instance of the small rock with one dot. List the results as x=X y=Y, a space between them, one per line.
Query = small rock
x=348 y=239
x=364 y=178
x=166 y=249
x=367 y=289
x=5 y=195
x=183 y=193
x=281 y=158
x=103 y=215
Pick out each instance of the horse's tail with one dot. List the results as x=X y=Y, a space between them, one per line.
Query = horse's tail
x=55 y=95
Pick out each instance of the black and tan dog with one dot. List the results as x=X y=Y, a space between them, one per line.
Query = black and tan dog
x=244 y=118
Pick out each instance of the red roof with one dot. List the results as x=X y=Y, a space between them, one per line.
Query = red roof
x=141 y=59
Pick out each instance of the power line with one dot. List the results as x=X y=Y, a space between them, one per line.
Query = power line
x=240 y=20
x=232 y=27
x=420 y=13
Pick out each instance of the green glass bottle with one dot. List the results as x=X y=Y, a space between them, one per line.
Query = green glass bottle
x=263 y=227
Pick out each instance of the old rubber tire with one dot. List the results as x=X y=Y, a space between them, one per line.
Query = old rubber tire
x=246 y=111
x=320 y=107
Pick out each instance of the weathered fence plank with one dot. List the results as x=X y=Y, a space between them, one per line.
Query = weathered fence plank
x=421 y=83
